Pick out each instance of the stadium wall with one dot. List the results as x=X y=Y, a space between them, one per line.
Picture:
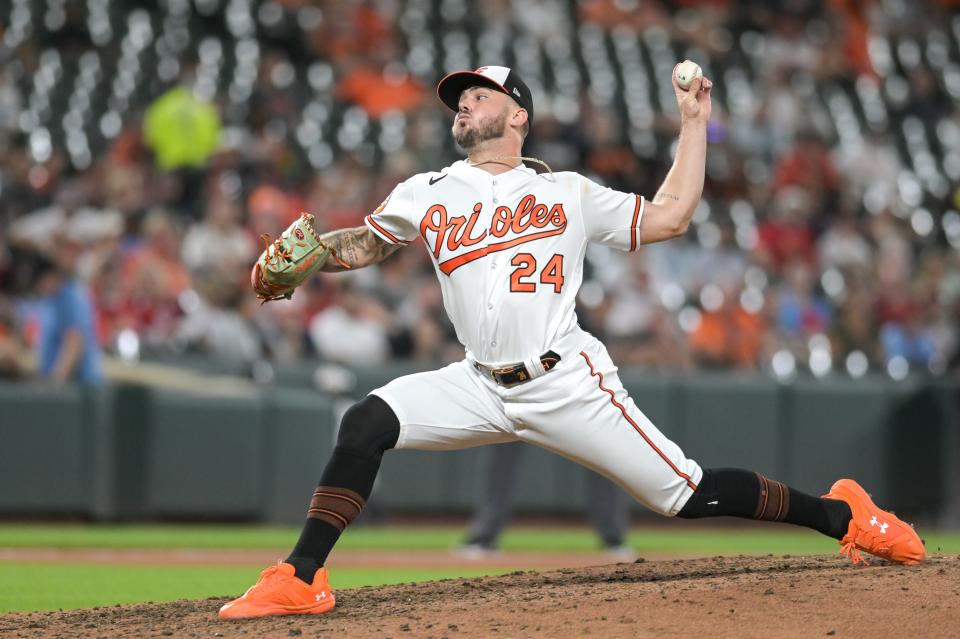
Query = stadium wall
x=127 y=452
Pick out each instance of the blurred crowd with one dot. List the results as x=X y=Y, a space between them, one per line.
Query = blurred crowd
x=826 y=241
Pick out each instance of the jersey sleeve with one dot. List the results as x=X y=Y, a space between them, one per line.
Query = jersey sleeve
x=611 y=217
x=392 y=221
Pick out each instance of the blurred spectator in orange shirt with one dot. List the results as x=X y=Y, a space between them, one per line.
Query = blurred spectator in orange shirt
x=375 y=79
x=380 y=90
x=853 y=43
x=729 y=337
x=348 y=28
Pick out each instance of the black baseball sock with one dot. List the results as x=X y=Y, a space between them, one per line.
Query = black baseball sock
x=342 y=493
x=740 y=493
x=368 y=429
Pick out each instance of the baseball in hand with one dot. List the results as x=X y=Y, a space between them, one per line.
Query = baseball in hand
x=686 y=72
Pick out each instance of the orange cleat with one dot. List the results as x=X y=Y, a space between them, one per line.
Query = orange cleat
x=873 y=530
x=279 y=592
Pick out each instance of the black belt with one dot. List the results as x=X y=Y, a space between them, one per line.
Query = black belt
x=516 y=373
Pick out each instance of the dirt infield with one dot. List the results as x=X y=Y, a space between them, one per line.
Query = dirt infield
x=719 y=597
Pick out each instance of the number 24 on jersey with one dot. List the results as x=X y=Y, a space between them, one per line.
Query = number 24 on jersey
x=551 y=275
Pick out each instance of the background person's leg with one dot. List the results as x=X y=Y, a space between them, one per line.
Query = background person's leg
x=607 y=510
x=499 y=474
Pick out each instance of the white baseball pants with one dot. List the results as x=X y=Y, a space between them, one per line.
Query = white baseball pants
x=579 y=409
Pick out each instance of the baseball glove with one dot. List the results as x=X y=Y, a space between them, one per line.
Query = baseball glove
x=288 y=261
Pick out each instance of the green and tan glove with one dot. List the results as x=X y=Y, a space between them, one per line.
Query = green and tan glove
x=290 y=260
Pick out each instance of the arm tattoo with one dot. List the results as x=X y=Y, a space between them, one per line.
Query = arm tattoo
x=665 y=196
x=357 y=246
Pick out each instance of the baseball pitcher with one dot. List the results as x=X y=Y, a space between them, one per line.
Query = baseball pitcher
x=508 y=245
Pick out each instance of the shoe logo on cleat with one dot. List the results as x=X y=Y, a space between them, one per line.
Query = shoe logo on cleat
x=883 y=526
x=320 y=596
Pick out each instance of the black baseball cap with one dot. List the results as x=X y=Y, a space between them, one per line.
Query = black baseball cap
x=503 y=79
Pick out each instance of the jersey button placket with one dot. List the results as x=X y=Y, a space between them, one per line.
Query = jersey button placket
x=487 y=318
x=493 y=197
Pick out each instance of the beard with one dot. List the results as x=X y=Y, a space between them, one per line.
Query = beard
x=474 y=132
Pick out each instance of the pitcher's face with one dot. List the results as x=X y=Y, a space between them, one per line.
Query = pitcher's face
x=482 y=116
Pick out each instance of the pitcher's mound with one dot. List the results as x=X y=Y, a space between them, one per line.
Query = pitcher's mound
x=765 y=597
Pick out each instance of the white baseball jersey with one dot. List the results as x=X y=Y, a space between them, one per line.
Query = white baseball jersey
x=508 y=249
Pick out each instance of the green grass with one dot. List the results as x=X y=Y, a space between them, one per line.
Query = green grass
x=44 y=586
x=677 y=537
x=41 y=586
